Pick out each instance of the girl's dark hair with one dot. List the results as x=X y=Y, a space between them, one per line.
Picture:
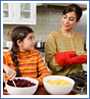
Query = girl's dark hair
x=73 y=8
x=18 y=33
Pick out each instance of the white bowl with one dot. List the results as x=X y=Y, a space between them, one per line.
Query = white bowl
x=84 y=66
x=58 y=85
x=23 y=90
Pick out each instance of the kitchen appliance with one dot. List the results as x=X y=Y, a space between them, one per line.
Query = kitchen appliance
x=80 y=79
x=40 y=46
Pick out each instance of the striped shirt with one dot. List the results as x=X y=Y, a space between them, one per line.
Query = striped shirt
x=31 y=64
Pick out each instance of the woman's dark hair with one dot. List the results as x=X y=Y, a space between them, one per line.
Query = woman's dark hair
x=73 y=8
x=18 y=33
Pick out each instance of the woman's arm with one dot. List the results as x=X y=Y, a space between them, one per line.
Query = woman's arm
x=50 y=51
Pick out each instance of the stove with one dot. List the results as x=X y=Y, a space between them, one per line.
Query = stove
x=80 y=79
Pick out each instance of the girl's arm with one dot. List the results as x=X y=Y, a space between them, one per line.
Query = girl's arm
x=42 y=69
x=8 y=71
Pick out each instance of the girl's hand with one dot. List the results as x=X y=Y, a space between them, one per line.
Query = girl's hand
x=9 y=73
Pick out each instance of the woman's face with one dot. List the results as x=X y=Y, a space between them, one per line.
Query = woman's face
x=69 y=21
x=28 y=43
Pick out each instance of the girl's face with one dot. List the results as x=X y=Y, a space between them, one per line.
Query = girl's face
x=68 y=21
x=28 y=43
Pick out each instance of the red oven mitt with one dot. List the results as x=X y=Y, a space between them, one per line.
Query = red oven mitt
x=77 y=59
x=62 y=57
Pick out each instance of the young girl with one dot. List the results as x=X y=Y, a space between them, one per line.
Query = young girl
x=23 y=59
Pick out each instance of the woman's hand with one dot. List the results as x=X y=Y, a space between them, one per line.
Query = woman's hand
x=62 y=57
x=8 y=73
x=79 y=59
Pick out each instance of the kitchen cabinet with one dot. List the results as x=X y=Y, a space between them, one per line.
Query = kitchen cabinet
x=19 y=13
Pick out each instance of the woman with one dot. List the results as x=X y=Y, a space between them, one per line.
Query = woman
x=64 y=49
x=23 y=60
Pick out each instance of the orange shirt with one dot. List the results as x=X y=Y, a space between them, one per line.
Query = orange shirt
x=30 y=64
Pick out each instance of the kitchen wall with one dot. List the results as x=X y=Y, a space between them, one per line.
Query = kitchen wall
x=48 y=20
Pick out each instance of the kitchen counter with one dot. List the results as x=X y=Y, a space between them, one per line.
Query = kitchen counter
x=42 y=91
x=80 y=87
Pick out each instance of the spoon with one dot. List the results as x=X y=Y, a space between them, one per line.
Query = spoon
x=13 y=83
x=10 y=73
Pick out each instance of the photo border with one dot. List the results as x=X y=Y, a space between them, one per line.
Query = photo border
x=46 y=96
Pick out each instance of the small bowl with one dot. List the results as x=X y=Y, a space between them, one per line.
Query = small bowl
x=12 y=90
x=84 y=66
x=58 y=85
